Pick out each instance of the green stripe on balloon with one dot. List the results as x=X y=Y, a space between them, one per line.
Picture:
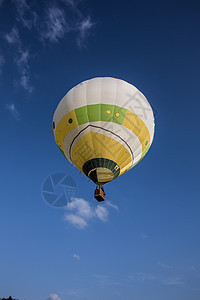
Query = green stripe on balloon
x=100 y=112
x=82 y=115
x=94 y=112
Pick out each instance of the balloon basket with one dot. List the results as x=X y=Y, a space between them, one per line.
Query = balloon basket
x=99 y=194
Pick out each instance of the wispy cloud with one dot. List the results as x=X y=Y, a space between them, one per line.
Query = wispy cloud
x=72 y=5
x=21 y=59
x=172 y=281
x=146 y=276
x=53 y=297
x=143 y=277
x=76 y=256
x=50 y=24
x=25 y=14
x=83 y=31
x=165 y=266
x=55 y=25
x=12 y=109
x=13 y=37
x=79 y=213
x=110 y=204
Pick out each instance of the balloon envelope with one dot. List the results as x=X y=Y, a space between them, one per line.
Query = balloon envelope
x=104 y=126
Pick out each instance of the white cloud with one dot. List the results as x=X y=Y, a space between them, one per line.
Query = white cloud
x=13 y=37
x=82 y=208
x=25 y=14
x=146 y=276
x=55 y=25
x=76 y=221
x=108 y=203
x=25 y=82
x=172 y=281
x=51 y=25
x=53 y=297
x=83 y=28
x=79 y=213
x=85 y=25
x=165 y=266
x=22 y=61
x=143 y=277
x=102 y=213
x=76 y=256
x=82 y=24
x=72 y=5
x=12 y=109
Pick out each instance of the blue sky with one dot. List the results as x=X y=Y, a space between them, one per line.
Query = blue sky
x=144 y=242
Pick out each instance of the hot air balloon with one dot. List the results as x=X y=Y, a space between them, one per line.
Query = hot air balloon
x=103 y=126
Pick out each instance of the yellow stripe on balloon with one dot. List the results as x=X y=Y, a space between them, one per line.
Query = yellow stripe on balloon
x=66 y=124
x=138 y=127
x=97 y=145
